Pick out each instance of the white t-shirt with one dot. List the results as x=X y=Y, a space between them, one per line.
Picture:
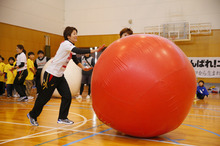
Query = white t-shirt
x=21 y=58
x=61 y=59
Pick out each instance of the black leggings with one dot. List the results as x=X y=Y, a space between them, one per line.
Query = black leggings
x=19 y=82
x=50 y=83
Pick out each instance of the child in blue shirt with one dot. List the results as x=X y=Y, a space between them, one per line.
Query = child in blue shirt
x=201 y=90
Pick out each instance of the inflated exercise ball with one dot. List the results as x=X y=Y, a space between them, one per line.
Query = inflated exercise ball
x=73 y=75
x=143 y=86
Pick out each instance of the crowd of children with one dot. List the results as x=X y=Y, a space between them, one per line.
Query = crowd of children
x=18 y=75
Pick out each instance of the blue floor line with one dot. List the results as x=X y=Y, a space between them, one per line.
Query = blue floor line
x=87 y=137
x=172 y=140
x=202 y=129
x=69 y=135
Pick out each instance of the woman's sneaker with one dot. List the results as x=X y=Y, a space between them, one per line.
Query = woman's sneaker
x=16 y=95
x=24 y=98
x=87 y=97
x=65 y=121
x=32 y=120
x=79 y=97
x=30 y=97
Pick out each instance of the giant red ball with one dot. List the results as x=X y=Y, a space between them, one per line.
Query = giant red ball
x=143 y=85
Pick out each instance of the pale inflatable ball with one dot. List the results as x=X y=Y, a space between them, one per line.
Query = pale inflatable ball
x=73 y=75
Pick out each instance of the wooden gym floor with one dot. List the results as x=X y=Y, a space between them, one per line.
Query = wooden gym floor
x=201 y=127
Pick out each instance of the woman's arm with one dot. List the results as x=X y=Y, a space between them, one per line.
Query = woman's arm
x=17 y=67
x=86 y=51
x=21 y=65
x=74 y=58
x=98 y=50
x=80 y=51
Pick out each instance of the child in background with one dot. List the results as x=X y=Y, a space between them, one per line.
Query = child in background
x=39 y=64
x=10 y=76
x=21 y=66
x=2 y=78
x=30 y=77
x=87 y=61
x=125 y=32
x=201 y=90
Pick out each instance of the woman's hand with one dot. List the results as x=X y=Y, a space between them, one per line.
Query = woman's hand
x=98 y=50
x=84 y=68
x=87 y=69
x=101 y=48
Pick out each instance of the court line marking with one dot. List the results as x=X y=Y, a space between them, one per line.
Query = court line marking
x=33 y=135
x=202 y=129
x=203 y=115
x=211 y=109
x=88 y=132
x=36 y=134
x=87 y=137
x=24 y=124
x=64 y=130
x=27 y=136
x=28 y=103
x=161 y=141
x=127 y=137
x=100 y=133
x=105 y=134
x=85 y=131
x=51 y=128
x=69 y=134
x=171 y=140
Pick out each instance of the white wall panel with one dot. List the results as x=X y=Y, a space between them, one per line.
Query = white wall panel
x=94 y=17
x=110 y=16
x=43 y=15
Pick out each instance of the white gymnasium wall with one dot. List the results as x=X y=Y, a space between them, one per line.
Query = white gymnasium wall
x=43 y=15
x=93 y=17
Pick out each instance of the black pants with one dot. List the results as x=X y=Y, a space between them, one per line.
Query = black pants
x=10 y=88
x=19 y=82
x=37 y=80
x=2 y=88
x=82 y=88
x=48 y=86
x=200 y=96
x=86 y=79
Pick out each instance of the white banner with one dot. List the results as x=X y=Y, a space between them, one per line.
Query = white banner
x=206 y=67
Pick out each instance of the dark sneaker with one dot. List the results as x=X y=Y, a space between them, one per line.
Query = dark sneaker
x=32 y=120
x=24 y=98
x=65 y=121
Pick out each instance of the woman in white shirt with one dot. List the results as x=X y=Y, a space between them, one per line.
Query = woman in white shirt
x=21 y=66
x=54 y=77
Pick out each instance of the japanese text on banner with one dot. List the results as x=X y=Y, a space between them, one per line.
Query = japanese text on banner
x=206 y=67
